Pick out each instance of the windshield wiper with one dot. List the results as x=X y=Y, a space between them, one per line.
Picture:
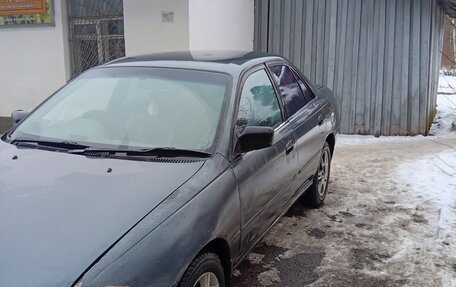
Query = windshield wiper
x=56 y=145
x=157 y=152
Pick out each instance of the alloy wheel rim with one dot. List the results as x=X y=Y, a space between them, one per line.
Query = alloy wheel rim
x=323 y=173
x=208 y=279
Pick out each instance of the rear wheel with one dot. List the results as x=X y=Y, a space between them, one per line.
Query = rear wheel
x=316 y=193
x=205 y=271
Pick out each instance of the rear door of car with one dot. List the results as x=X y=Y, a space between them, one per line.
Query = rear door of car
x=264 y=176
x=306 y=116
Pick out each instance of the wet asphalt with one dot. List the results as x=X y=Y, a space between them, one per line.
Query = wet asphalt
x=296 y=271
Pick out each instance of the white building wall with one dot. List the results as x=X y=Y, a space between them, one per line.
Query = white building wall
x=196 y=25
x=34 y=63
x=221 y=24
x=147 y=32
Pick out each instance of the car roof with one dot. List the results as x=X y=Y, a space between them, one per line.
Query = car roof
x=232 y=62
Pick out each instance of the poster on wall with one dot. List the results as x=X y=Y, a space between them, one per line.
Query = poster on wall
x=18 y=13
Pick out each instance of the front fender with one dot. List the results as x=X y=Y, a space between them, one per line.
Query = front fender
x=162 y=256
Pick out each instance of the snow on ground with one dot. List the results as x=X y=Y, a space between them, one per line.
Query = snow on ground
x=433 y=179
x=432 y=182
x=446 y=106
x=447 y=84
x=346 y=140
x=429 y=180
x=446 y=115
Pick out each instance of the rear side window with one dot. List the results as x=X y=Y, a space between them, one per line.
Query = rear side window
x=308 y=94
x=258 y=105
x=290 y=91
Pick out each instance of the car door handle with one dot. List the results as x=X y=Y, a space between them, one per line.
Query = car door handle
x=290 y=147
x=321 y=119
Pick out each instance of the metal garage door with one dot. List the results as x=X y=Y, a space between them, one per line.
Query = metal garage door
x=381 y=57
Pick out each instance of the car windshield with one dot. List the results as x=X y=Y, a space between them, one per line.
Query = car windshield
x=132 y=107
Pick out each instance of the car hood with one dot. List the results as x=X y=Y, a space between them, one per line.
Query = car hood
x=59 y=212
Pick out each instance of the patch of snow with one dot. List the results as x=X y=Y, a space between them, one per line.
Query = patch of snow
x=363 y=140
x=446 y=115
x=268 y=278
x=445 y=118
x=434 y=179
x=447 y=84
x=255 y=258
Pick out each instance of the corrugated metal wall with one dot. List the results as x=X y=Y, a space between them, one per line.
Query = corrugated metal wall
x=381 y=57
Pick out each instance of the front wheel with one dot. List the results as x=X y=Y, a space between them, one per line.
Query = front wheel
x=205 y=271
x=316 y=193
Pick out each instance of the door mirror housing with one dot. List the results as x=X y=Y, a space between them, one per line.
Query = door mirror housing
x=18 y=116
x=255 y=138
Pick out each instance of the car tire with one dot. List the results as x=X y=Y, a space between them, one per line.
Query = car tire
x=316 y=193
x=205 y=271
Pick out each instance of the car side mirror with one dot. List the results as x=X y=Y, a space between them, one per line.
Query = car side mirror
x=255 y=138
x=18 y=116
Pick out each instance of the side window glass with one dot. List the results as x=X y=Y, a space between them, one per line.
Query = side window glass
x=259 y=105
x=308 y=94
x=290 y=90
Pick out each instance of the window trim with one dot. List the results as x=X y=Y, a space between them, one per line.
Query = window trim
x=296 y=74
x=303 y=79
x=240 y=85
x=243 y=78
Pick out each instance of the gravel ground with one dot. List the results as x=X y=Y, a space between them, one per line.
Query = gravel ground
x=386 y=221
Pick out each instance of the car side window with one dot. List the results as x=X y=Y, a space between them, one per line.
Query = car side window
x=290 y=90
x=259 y=105
x=308 y=94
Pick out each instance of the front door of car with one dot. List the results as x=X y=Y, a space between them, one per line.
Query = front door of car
x=264 y=176
x=306 y=116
